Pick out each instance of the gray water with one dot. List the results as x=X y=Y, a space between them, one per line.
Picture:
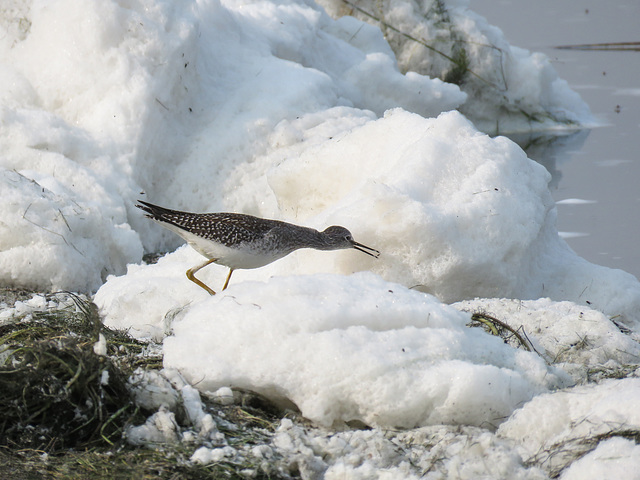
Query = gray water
x=601 y=165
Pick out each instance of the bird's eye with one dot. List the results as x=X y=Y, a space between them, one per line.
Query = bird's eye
x=348 y=238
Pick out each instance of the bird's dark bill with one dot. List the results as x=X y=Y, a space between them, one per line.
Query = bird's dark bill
x=368 y=250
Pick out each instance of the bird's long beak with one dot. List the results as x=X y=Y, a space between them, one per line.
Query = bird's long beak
x=368 y=250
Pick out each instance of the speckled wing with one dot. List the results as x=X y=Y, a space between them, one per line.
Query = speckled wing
x=228 y=229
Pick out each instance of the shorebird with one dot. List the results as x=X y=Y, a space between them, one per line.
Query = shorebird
x=242 y=241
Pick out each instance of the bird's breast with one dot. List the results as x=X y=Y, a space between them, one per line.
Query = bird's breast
x=243 y=257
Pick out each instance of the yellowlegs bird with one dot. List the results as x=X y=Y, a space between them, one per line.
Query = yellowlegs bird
x=242 y=241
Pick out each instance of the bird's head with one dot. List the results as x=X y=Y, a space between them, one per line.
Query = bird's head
x=340 y=237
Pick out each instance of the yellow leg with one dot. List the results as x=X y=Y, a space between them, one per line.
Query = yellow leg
x=228 y=278
x=192 y=271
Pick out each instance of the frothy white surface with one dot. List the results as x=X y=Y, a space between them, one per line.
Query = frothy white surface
x=275 y=109
x=509 y=89
x=353 y=348
x=570 y=418
x=101 y=102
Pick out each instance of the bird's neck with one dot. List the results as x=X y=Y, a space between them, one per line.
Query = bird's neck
x=311 y=238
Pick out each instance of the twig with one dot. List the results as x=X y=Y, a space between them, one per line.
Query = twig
x=491 y=323
x=414 y=39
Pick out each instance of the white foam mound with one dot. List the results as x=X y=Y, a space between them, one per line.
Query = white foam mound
x=99 y=102
x=509 y=89
x=48 y=241
x=454 y=212
x=568 y=424
x=616 y=457
x=353 y=348
x=574 y=337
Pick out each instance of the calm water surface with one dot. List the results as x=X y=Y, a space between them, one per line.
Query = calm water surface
x=602 y=165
